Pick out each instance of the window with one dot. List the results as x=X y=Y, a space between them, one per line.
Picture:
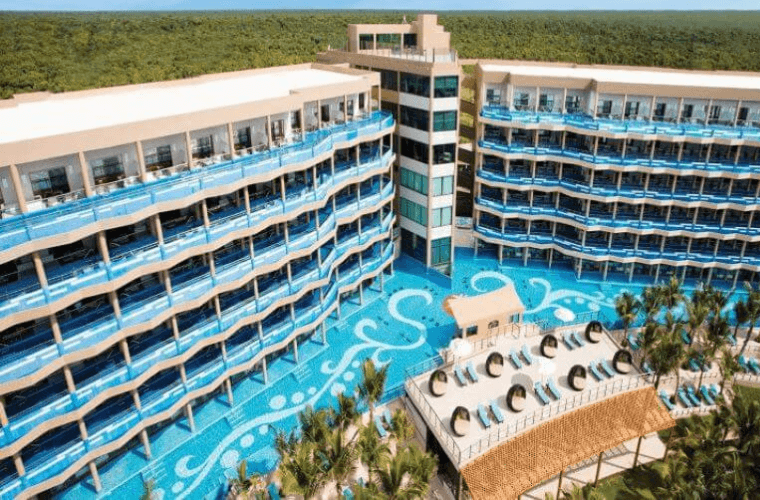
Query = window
x=410 y=40
x=605 y=108
x=446 y=86
x=546 y=103
x=107 y=170
x=443 y=153
x=414 y=181
x=714 y=114
x=361 y=101
x=444 y=120
x=325 y=112
x=659 y=111
x=413 y=117
x=389 y=79
x=414 y=84
x=441 y=216
x=493 y=97
x=687 y=112
x=47 y=183
x=414 y=150
x=388 y=40
x=295 y=120
x=366 y=42
x=743 y=114
x=350 y=103
x=632 y=109
x=278 y=130
x=412 y=211
x=443 y=185
x=522 y=101
x=161 y=157
x=414 y=245
x=390 y=106
x=243 y=138
x=493 y=324
x=572 y=104
x=203 y=147
x=440 y=253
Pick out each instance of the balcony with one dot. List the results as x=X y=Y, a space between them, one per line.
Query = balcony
x=583 y=122
x=603 y=222
x=653 y=165
x=165 y=393
x=580 y=188
x=183 y=237
x=652 y=256
x=158 y=346
x=101 y=209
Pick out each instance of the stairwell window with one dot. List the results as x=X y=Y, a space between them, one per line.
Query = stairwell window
x=414 y=181
x=443 y=185
x=440 y=252
x=443 y=153
x=444 y=121
x=441 y=216
x=413 y=211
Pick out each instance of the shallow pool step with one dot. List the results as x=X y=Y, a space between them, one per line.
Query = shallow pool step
x=235 y=417
x=302 y=372
x=155 y=471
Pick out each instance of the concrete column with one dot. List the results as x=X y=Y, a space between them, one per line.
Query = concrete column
x=16 y=181
x=230 y=397
x=146 y=443
x=85 y=174
x=39 y=269
x=264 y=370
x=19 y=465
x=141 y=170
x=190 y=419
x=103 y=247
x=295 y=350
x=189 y=148
x=231 y=138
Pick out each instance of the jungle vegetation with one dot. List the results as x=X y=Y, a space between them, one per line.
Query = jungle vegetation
x=72 y=51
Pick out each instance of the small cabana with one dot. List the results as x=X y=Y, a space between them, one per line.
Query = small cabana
x=486 y=314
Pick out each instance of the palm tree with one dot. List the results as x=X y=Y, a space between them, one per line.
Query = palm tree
x=587 y=492
x=728 y=366
x=372 y=385
x=347 y=413
x=664 y=358
x=651 y=301
x=627 y=307
x=407 y=474
x=372 y=450
x=242 y=482
x=368 y=492
x=315 y=424
x=303 y=472
x=339 y=457
x=753 y=312
x=671 y=293
x=676 y=480
x=401 y=427
x=741 y=312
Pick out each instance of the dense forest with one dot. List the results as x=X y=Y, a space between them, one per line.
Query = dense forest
x=57 y=51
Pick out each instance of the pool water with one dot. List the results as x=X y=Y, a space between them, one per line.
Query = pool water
x=403 y=326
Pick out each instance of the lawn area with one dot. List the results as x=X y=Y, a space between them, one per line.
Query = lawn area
x=752 y=393
x=632 y=484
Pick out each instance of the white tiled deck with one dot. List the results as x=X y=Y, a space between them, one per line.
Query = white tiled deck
x=437 y=410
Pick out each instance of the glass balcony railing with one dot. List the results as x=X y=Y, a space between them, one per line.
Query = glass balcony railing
x=626 y=254
x=581 y=188
x=220 y=228
x=207 y=329
x=584 y=122
x=655 y=165
x=168 y=399
x=132 y=199
x=596 y=222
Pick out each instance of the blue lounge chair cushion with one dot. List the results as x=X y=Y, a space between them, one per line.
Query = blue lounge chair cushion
x=459 y=375
x=685 y=337
x=553 y=389
x=540 y=393
x=515 y=359
x=731 y=339
x=706 y=395
x=526 y=354
x=606 y=367
x=714 y=390
x=743 y=364
x=567 y=342
x=348 y=494
x=578 y=340
x=483 y=416
x=471 y=372
x=693 y=395
x=666 y=400
x=595 y=371
x=379 y=426
x=753 y=365
x=684 y=399
x=387 y=416
x=647 y=368
x=274 y=493
x=633 y=343
x=497 y=414
x=693 y=365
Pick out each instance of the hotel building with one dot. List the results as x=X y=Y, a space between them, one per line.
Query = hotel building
x=420 y=85
x=161 y=240
x=619 y=172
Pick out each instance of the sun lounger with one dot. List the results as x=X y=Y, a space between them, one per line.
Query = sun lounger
x=471 y=372
x=380 y=427
x=387 y=416
x=647 y=368
x=706 y=395
x=553 y=389
x=540 y=393
x=606 y=367
x=595 y=371
x=666 y=400
x=753 y=365
x=714 y=390
x=515 y=359
x=684 y=398
x=731 y=339
x=633 y=342
x=274 y=493
x=526 y=354
x=459 y=375
x=497 y=414
x=348 y=494
x=566 y=340
x=483 y=415
x=743 y=364
x=685 y=337
x=693 y=395
x=693 y=365
x=578 y=340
